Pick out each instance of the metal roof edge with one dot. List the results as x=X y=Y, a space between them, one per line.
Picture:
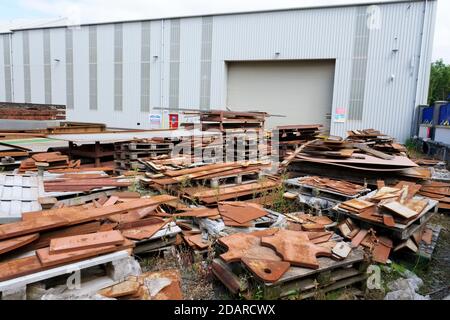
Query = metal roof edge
x=343 y=5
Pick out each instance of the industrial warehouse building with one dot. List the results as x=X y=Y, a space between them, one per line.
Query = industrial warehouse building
x=347 y=67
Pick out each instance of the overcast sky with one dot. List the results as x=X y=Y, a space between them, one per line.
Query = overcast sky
x=109 y=10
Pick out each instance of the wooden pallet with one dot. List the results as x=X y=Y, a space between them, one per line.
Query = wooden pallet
x=426 y=250
x=141 y=146
x=333 y=196
x=299 y=282
x=129 y=165
x=134 y=155
x=163 y=238
x=400 y=231
x=20 y=284
x=234 y=179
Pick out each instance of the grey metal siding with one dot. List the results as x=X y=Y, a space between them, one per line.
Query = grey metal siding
x=93 y=102
x=7 y=67
x=359 y=65
x=47 y=67
x=174 y=84
x=26 y=66
x=145 y=66
x=206 y=56
x=191 y=56
x=69 y=69
x=118 y=67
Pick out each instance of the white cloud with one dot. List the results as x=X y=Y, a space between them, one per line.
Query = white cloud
x=442 y=32
x=112 y=10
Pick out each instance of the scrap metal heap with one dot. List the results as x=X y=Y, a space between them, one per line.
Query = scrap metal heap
x=278 y=233
x=49 y=161
x=26 y=111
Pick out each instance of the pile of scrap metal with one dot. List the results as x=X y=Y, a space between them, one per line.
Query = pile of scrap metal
x=278 y=259
x=229 y=217
x=344 y=187
x=220 y=120
x=321 y=193
x=246 y=146
x=47 y=239
x=376 y=140
x=27 y=111
x=160 y=164
x=12 y=155
x=214 y=182
x=83 y=182
x=13 y=151
x=388 y=218
x=163 y=285
x=292 y=136
x=240 y=136
x=128 y=153
x=209 y=148
x=48 y=161
x=357 y=162
x=439 y=191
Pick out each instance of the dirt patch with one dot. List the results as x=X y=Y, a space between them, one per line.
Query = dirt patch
x=436 y=273
x=196 y=278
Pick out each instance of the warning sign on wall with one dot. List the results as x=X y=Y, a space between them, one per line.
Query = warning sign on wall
x=155 y=121
x=339 y=115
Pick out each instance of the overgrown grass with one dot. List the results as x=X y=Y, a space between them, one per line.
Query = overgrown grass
x=279 y=202
x=413 y=148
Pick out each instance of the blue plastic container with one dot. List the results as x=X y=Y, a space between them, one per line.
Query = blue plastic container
x=444 y=115
x=427 y=115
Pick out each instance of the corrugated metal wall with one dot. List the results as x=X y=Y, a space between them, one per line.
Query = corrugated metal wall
x=384 y=67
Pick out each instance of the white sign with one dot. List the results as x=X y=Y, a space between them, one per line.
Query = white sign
x=155 y=121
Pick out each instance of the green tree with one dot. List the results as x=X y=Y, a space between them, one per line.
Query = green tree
x=439 y=81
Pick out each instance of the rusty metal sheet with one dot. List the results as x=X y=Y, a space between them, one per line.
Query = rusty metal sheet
x=12 y=244
x=197 y=240
x=388 y=220
x=80 y=242
x=267 y=270
x=247 y=245
x=296 y=248
x=359 y=238
x=364 y=159
x=144 y=232
x=241 y=212
x=121 y=289
x=381 y=250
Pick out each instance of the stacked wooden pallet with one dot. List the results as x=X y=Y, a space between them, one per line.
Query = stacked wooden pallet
x=242 y=133
x=213 y=182
x=207 y=149
x=246 y=146
x=127 y=154
x=292 y=136
x=230 y=120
